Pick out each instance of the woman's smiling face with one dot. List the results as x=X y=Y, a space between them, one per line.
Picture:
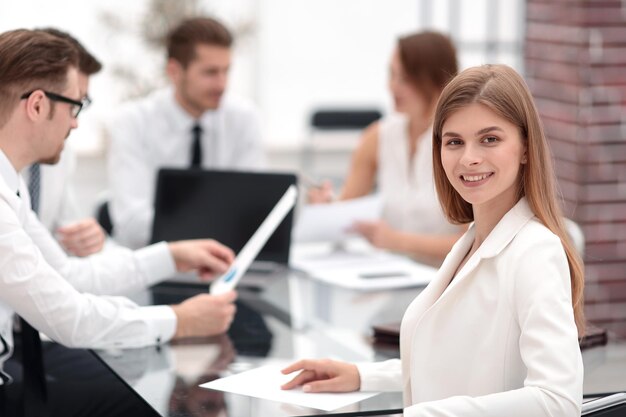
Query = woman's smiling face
x=481 y=154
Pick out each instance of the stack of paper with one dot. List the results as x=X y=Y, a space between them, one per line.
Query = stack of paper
x=332 y=222
x=360 y=266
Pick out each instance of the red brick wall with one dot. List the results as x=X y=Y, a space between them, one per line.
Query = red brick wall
x=575 y=58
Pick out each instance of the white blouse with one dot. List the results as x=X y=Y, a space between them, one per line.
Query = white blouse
x=406 y=182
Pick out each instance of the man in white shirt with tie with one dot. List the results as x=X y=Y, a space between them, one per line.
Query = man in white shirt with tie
x=67 y=298
x=190 y=124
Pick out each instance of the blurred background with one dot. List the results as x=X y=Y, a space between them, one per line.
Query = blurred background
x=293 y=58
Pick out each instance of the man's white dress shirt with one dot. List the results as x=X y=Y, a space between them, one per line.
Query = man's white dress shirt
x=499 y=340
x=61 y=295
x=156 y=132
x=57 y=200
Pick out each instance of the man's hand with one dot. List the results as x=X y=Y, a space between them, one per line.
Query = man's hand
x=82 y=238
x=204 y=315
x=207 y=256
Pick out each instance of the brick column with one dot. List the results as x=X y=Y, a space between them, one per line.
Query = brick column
x=575 y=60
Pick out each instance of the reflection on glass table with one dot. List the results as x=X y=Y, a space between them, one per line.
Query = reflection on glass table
x=289 y=316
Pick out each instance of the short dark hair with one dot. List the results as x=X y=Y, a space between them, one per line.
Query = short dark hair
x=87 y=63
x=182 y=40
x=32 y=59
x=429 y=61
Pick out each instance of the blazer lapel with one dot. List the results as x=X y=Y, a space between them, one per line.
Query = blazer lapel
x=501 y=235
x=426 y=300
x=451 y=263
x=429 y=296
x=469 y=266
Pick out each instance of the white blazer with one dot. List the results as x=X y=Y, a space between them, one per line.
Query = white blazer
x=499 y=340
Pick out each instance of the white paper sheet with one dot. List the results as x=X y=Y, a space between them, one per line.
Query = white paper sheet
x=373 y=276
x=360 y=266
x=265 y=382
x=330 y=222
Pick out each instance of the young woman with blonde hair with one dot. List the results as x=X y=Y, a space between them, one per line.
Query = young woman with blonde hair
x=496 y=332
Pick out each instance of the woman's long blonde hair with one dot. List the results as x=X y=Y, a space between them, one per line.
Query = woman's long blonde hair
x=503 y=91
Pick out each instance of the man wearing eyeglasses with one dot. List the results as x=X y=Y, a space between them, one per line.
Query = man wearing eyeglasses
x=57 y=294
x=49 y=185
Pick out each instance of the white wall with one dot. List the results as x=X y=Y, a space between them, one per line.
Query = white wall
x=300 y=54
x=83 y=20
x=324 y=53
x=296 y=55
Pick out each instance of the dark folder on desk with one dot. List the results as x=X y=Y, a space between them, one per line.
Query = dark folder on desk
x=388 y=336
x=227 y=206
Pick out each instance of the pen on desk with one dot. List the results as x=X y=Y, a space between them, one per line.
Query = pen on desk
x=384 y=274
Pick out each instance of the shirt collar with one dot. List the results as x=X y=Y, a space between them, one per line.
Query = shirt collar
x=8 y=173
x=184 y=118
x=506 y=229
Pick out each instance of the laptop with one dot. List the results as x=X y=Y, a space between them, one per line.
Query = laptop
x=227 y=206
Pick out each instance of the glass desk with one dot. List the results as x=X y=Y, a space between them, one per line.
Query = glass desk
x=284 y=316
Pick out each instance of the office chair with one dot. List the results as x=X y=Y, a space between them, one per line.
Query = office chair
x=334 y=132
x=345 y=119
x=103 y=216
x=575 y=233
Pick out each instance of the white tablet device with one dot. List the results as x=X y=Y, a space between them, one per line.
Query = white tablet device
x=602 y=403
x=251 y=249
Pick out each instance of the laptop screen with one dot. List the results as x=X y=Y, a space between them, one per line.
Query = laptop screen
x=227 y=206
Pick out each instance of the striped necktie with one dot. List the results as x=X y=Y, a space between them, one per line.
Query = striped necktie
x=34 y=186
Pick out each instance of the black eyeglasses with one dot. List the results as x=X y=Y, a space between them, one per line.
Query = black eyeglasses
x=76 y=107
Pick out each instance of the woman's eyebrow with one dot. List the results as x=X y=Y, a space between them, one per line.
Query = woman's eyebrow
x=488 y=129
x=451 y=134
x=480 y=132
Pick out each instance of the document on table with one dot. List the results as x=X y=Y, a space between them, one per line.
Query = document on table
x=331 y=222
x=265 y=382
x=360 y=266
